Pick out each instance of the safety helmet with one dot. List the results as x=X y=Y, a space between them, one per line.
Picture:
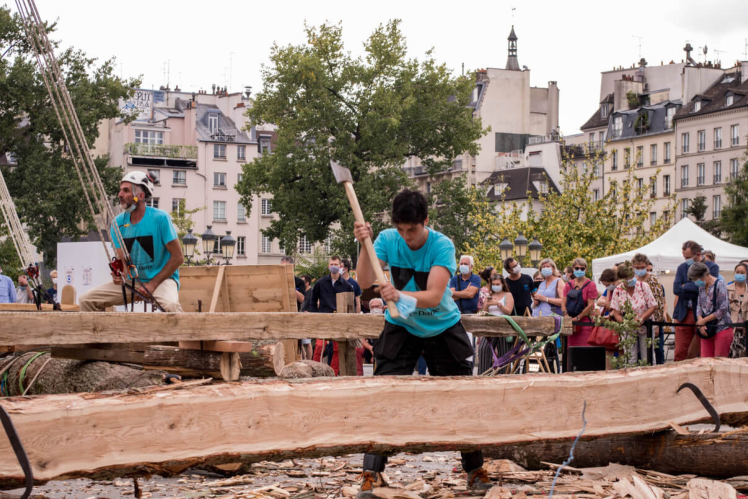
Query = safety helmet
x=140 y=178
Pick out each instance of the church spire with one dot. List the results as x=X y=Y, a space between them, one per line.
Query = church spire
x=511 y=61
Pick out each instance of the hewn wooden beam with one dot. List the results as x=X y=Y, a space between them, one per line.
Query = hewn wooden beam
x=167 y=431
x=50 y=328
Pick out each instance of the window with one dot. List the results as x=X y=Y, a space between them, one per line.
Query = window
x=241 y=152
x=697 y=106
x=219 y=151
x=239 y=177
x=428 y=187
x=733 y=169
x=148 y=137
x=667 y=153
x=179 y=177
x=653 y=187
x=213 y=122
x=670 y=113
x=219 y=210
x=266 y=245
x=640 y=156
x=617 y=127
x=684 y=141
x=596 y=194
x=639 y=185
x=666 y=185
x=305 y=246
x=603 y=111
x=717 y=172
x=601 y=138
x=241 y=245
x=718 y=138
x=735 y=133
x=717 y=203
x=152 y=202
x=627 y=157
x=614 y=160
x=177 y=205
x=684 y=208
x=701 y=140
x=653 y=154
x=264 y=144
x=652 y=218
x=241 y=213
x=328 y=245
x=729 y=99
x=684 y=176
x=595 y=173
x=666 y=216
x=700 y=174
x=266 y=209
x=155 y=176
x=219 y=180
x=592 y=139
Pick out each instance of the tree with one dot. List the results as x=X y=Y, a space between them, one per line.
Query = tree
x=452 y=210
x=697 y=209
x=733 y=218
x=571 y=224
x=45 y=186
x=370 y=114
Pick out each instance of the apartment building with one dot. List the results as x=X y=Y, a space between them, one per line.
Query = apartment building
x=711 y=134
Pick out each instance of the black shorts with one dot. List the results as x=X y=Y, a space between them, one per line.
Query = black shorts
x=397 y=351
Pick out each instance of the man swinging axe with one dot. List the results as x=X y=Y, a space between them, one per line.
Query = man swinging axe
x=421 y=262
x=150 y=237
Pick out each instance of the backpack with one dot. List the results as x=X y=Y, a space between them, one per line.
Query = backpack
x=575 y=301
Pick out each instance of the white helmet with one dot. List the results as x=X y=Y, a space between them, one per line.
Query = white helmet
x=140 y=178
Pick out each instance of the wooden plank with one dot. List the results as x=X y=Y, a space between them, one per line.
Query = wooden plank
x=264 y=361
x=55 y=328
x=30 y=307
x=253 y=421
x=346 y=304
x=217 y=289
x=102 y=354
x=217 y=346
x=68 y=295
x=225 y=293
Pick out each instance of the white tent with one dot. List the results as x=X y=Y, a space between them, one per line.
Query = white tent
x=665 y=252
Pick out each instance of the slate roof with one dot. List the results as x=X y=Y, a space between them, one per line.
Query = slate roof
x=225 y=124
x=713 y=99
x=596 y=121
x=656 y=118
x=519 y=182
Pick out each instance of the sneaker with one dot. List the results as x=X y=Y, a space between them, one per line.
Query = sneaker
x=370 y=480
x=478 y=480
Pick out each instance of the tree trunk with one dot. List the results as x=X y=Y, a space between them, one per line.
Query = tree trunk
x=71 y=376
x=265 y=360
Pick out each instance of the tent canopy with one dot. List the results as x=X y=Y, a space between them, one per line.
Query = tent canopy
x=665 y=252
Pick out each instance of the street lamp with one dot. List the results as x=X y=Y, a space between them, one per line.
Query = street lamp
x=521 y=245
x=506 y=249
x=227 y=246
x=535 y=249
x=209 y=238
x=188 y=243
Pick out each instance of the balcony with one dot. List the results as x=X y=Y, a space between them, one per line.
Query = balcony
x=666 y=192
x=736 y=141
x=700 y=180
x=718 y=144
x=717 y=178
x=161 y=151
x=716 y=214
x=653 y=162
x=684 y=182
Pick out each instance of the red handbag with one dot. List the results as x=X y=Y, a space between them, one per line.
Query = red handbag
x=603 y=337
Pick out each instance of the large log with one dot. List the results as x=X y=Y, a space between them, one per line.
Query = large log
x=168 y=431
x=712 y=455
x=262 y=362
x=57 y=328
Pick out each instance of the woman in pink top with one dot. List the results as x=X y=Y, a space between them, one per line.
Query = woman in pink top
x=642 y=301
x=580 y=294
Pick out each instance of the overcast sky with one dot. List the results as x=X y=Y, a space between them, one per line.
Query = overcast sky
x=569 y=42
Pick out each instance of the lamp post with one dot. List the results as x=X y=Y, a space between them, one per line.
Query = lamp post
x=520 y=245
x=227 y=246
x=188 y=245
x=209 y=237
x=506 y=248
x=535 y=249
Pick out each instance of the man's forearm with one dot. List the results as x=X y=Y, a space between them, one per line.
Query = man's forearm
x=171 y=266
x=364 y=270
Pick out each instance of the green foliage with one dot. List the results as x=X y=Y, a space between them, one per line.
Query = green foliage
x=369 y=113
x=633 y=99
x=697 y=209
x=9 y=261
x=571 y=224
x=641 y=125
x=182 y=219
x=734 y=215
x=627 y=334
x=314 y=265
x=45 y=186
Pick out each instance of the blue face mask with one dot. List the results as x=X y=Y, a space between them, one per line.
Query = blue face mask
x=579 y=273
x=699 y=283
x=497 y=288
x=631 y=282
x=464 y=269
x=546 y=271
x=334 y=269
x=640 y=273
x=689 y=261
x=739 y=277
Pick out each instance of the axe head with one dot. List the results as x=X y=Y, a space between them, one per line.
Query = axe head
x=341 y=173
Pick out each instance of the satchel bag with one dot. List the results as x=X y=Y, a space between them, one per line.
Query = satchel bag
x=711 y=326
x=603 y=337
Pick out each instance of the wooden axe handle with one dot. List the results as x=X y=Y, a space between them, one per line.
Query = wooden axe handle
x=359 y=216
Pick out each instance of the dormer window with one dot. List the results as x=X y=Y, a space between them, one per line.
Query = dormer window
x=697 y=106
x=603 y=111
x=213 y=123
x=729 y=99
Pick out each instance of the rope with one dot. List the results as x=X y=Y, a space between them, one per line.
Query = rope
x=571 y=452
x=37 y=375
x=517 y=352
x=23 y=371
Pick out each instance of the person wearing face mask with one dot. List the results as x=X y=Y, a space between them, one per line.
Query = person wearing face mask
x=52 y=292
x=579 y=302
x=609 y=279
x=712 y=312
x=7 y=289
x=485 y=291
x=687 y=293
x=24 y=293
x=736 y=292
x=653 y=282
x=465 y=286
x=568 y=274
x=640 y=263
x=499 y=302
x=548 y=297
x=520 y=285
x=643 y=302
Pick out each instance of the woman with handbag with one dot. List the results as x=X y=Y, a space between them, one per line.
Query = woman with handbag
x=499 y=302
x=712 y=312
x=642 y=302
x=547 y=299
x=736 y=292
x=580 y=294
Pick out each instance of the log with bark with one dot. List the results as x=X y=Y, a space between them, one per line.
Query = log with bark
x=714 y=455
x=265 y=360
x=169 y=431
x=53 y=376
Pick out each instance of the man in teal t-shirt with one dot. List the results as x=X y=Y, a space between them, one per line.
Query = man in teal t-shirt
x=421 y=263
x=150 y=238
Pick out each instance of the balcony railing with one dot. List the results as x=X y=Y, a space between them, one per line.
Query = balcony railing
x=716 y=214
x=666 y=192
x=718 y=144
x=736 y=141
x=717 y=178
x=700 y=180
x=161 y=151
x=684 y=182
x=666 y=160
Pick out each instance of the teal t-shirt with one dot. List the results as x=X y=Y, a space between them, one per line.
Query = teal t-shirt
x=410 y=272
x=146 y=241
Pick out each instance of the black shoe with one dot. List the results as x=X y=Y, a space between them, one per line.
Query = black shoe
x=370 y=480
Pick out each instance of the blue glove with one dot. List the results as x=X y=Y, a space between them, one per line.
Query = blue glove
x=406 y=305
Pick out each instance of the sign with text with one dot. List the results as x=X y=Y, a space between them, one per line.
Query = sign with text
x=139 y=105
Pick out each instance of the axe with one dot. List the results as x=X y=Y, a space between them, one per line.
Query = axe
x=343 y=176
